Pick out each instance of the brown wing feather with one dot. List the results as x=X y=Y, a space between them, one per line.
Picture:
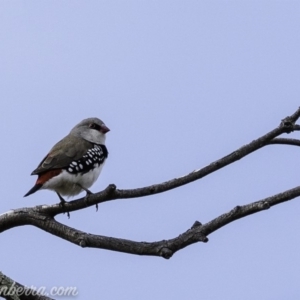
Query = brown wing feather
x=63 y=153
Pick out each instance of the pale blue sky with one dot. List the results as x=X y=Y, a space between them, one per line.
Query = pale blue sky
x=180 y=84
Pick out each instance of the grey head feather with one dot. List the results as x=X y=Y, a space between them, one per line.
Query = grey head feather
x=85 y=131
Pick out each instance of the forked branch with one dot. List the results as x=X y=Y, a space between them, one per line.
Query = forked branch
x=43 y=216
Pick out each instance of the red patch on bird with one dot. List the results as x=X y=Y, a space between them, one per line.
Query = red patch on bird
x=48 y=175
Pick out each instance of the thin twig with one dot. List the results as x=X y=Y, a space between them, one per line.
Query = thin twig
x=283 y=141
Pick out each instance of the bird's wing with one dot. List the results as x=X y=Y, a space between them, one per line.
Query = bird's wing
x=63 y=153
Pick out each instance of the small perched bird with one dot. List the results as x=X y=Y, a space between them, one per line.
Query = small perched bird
x=75 y=162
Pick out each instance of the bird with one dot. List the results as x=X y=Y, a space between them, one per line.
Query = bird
x=75 y=162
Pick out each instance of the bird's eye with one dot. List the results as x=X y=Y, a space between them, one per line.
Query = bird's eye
x=95 y=126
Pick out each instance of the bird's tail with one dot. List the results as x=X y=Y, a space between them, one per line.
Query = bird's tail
x=33 y=190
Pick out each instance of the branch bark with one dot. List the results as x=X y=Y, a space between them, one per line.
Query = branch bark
x=283 y=141
x=12 y=290
x=42 y=216
x=287 y=125
x=164 y=248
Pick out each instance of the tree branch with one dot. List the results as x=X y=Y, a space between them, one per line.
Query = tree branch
x=283 y=141
x=287 y=125
x=42 y=216
x=164 y=248
x=12 y=290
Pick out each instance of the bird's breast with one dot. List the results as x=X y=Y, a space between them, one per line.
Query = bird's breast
x=70 y=184
x=79 y=173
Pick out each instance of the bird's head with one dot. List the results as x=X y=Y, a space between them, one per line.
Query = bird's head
x=92 y=130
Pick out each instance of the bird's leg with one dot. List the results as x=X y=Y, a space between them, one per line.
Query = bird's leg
x=62 y=204
x=88 y=193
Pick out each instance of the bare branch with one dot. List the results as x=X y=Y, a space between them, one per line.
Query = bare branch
x=283 y=141
x=287 y=125
x=43 y=216
x=164 y=248
x=12 y=290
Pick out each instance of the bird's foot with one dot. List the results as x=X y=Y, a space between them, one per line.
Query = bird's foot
x=86 y=198
x=63 y=204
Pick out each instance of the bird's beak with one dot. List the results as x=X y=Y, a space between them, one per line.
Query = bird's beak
x=104 y=129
